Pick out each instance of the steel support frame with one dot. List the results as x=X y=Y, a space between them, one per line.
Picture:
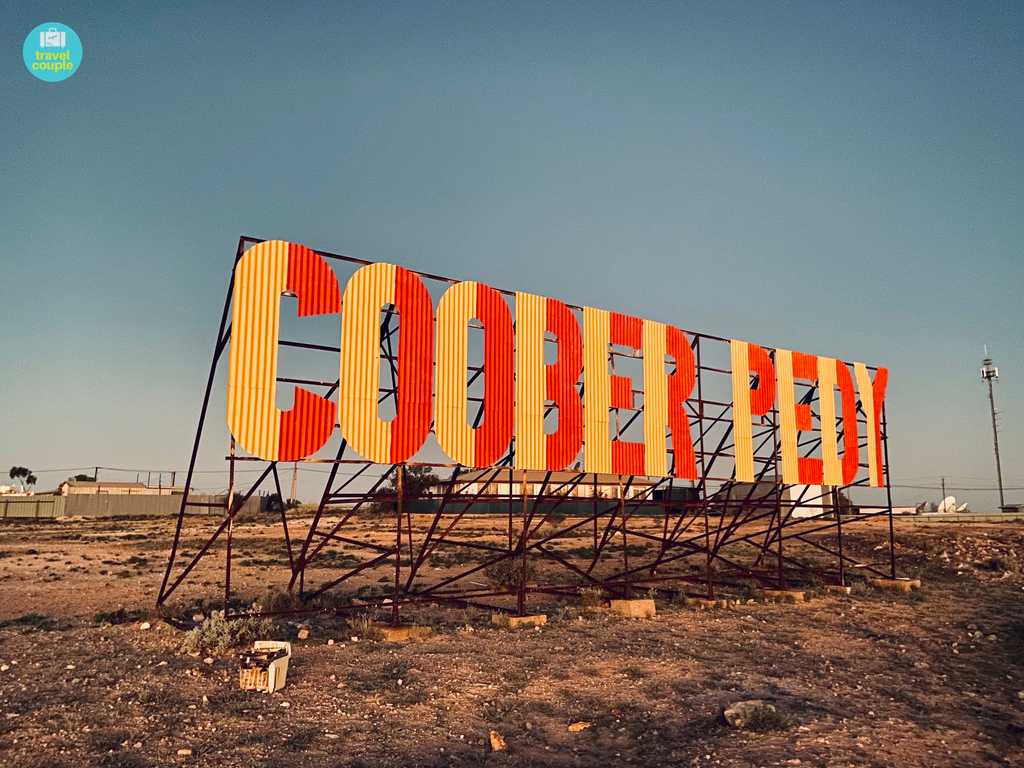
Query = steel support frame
x=711 y=543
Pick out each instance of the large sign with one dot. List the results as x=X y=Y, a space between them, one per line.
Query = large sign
x=519 y=384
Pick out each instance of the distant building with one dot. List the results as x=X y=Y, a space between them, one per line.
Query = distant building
x=803 y=500
x=486 y=483
x=104 y=488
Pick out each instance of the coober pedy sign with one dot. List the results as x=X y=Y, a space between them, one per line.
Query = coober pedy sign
x=519 y=385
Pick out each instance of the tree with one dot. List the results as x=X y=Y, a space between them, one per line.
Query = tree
x=24 y=476
x=272 y=503
x=844 y=506
x=83 y=478
x=417 y=482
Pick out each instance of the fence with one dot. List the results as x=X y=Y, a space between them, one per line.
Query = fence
x=48 y=507
x=32 y=507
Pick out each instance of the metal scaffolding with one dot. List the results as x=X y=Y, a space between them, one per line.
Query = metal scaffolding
x=714 y=536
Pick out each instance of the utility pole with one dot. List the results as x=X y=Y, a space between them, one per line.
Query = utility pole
x=990 y=373
x=943 y=490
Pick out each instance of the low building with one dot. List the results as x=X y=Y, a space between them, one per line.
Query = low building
x=104 y=488
x=492 y=482
x=10 y=490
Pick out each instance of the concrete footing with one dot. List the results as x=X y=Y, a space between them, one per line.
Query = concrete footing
x=838 y=589
x=783 y=595
x=706 y=603
x=633 y=609
x=402 y=633
x=896 y=585
x=518 y=622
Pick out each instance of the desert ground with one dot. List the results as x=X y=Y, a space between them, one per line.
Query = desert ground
x=90 y=673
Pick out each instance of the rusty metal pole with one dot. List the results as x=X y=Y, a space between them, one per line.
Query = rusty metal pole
x=400 y=490
x=511 y=482
x=778 y=487
x=228 y=504
x=888 y=496
x=839 y=532
x=625 y=543
x=521 y=551
x=709 y=584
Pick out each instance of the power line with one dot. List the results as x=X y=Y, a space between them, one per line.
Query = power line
x=238 y=470
x=956 y=488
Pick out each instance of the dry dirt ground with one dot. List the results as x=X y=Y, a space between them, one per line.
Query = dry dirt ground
x=931 y=678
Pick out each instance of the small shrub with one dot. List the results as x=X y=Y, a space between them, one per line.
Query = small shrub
x=279 y=601
x=995 y=564
x=364 y=626
x=565 y=613
x=591 y=598
x=744 y=590
x=371 y=592
x=767 y=719
x=218 y=634
x=330 y=601
x=120 y=616
x=32 y=620
x=512 y=572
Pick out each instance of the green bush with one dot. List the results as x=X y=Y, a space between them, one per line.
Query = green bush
x=120 y=616
x=219 y=634
x=512 y=572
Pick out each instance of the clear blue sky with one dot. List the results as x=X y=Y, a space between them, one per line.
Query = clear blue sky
x=844 y=180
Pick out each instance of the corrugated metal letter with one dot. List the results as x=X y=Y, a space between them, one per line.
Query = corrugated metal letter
x=741 y=416
x=370 y=288
x=832 y=471
x=530 y=444
x=627 y=456
x=680 y=387
x=597 y=445
x=787 y=416
x=563 y=445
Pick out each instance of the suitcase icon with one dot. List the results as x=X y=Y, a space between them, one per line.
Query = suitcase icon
x=52 y=38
